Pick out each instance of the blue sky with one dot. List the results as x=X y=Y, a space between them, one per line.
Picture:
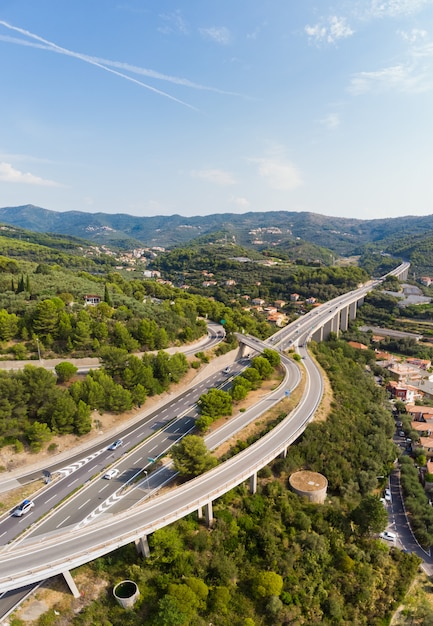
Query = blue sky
x=153 y=107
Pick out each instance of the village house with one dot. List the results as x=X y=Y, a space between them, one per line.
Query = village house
x=92 y=300
x=258 y=301
x=279 y=303
x=407 y=372
x=426 y=281
x=294 y=297
x=357 y=345
x=405 y=393
x=424 y=364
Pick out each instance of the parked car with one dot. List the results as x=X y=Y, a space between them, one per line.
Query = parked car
x=402 y=433
x=387 y=495
x=112 y=473
x=115 y=444
x=23 y=508
x=226 y=370
x=389 y=536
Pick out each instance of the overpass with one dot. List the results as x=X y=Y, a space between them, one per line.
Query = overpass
x=36 y=559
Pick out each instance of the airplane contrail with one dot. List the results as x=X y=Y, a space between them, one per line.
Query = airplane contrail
x=176 y=80
x=54 y=47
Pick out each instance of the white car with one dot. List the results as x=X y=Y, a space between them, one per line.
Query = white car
x=23 y=508
x=387 y=495
x=389 y=536
x=115 y=444
x=112 y=473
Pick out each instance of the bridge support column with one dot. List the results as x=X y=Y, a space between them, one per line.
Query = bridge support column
x=335 y=324
x=253 y=483
x=352 y=310
x=318 y=335
x=360 y=302
x=344 y=318
x=142 y=546
x=208 y=512
x=283 y=453
x=71 y=584
x=326 y=330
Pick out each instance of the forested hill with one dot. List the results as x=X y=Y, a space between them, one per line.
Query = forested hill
x=262 y=229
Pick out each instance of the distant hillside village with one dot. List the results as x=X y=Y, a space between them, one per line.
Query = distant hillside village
x=410 y=382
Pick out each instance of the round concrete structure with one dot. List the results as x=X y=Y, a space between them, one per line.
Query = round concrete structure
x=310 y=484
x=126 y=593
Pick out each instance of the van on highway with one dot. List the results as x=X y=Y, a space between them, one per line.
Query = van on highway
x=388 y=535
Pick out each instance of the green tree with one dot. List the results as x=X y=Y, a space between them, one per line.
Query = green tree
x=65 y=371
x=191 y=457
x=262 y=365
x=37 y=434
x=267 y=584
x=8 y=325
x=83 y=420
x=215 y=403
x=45 y=318
x=370 y=515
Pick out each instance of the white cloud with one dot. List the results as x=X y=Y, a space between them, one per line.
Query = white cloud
x=403 y=78
x=334 y=29
x=219 y=34
x=278 y=172
x=9 y=174
x=219 y=177
x=414 y=35
x=173 y=22
x=331 y=121
x=394 y=8
x=242 y=203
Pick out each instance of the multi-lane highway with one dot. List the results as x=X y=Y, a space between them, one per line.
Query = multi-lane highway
x=56 y=550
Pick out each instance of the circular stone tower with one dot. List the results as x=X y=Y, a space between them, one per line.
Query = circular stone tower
x=310 y=484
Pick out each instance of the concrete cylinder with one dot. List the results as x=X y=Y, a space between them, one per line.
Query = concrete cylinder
x=309 y=484
x=126 y=593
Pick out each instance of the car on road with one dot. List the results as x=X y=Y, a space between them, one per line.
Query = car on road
x=226 y=370
x=387 y=495
x=23 y=508
x=402 y=433
x=116 y=444
x=112 y=473
x=388 y=535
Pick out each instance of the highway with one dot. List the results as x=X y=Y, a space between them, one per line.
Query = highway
x=54 y=550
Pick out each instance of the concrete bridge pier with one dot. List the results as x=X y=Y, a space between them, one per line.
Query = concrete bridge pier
x=317 y=335
x=142 y=546
x=335 y=324
x=327 y=329
x=253 y=483
x=344 y=318
x=352 y=310
x=71 y=584
x=208 y=513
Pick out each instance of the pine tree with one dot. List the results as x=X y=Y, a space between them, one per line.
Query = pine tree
x=107 y=297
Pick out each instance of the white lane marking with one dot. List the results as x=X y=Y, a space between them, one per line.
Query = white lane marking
x=102 y=489
x=151 y=449
x=84 y=504
x=65 y=520
x=52 y=498
x=139 y=459
x=2 y=536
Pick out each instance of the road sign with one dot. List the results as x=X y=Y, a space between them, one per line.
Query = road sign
x=287 y=393
x=149 y=458
x=222 y=322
